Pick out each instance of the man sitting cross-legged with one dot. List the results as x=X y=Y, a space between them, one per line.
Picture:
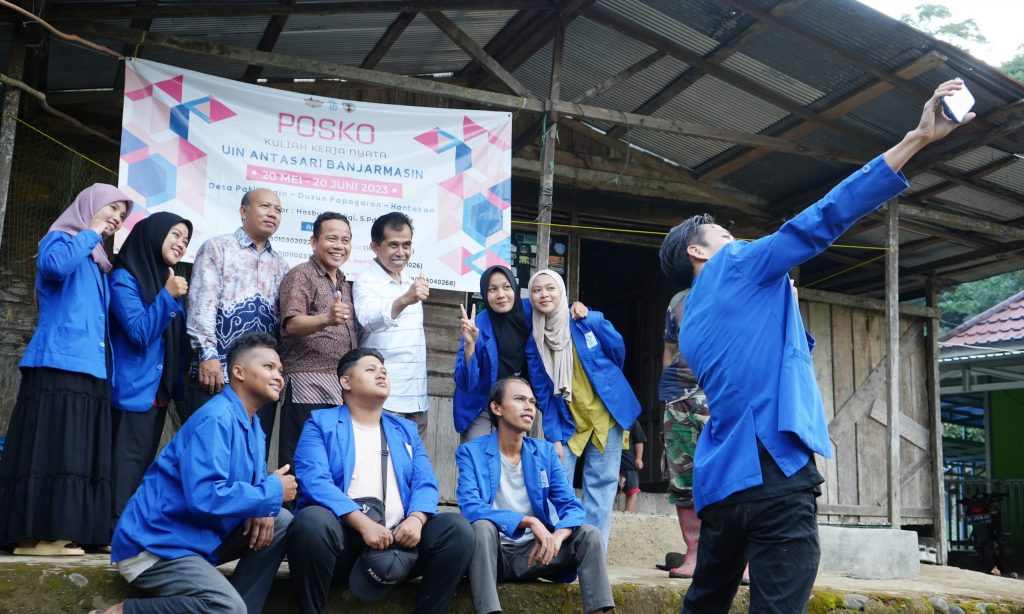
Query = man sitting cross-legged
x=207 y=499
x=507 y=483
x=367 y=513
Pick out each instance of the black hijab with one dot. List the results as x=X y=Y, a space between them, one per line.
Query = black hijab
x=510 y=330
x=141 y=256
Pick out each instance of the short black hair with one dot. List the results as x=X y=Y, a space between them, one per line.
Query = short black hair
x=497 y=395
x=675 y=262
x=248 y=342
x=396 y=220
x=325 y=216
x=351 y=357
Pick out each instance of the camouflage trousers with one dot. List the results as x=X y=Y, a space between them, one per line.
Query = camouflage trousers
x=681 y=426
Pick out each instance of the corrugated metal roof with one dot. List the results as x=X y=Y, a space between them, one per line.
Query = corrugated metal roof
x=6 y=31
x=985 y=205
x=974 y=159
x=423 y=49
x=923 y=181
x=346 y=39
x=73 y=67
x=1010 y=177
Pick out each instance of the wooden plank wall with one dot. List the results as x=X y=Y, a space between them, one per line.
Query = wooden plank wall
x=849 y=361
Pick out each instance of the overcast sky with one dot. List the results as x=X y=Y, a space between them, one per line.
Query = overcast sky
x=1000 y=21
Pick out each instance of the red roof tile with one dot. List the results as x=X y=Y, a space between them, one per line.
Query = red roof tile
x=1000 y=324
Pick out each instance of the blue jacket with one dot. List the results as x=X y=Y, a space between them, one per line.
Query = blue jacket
x=326 y=457
x=137 y=337
x=204 y=483
x=473 y=380
x=602 y=354
x=479 y=463
x=743 y=336
x=71 y=292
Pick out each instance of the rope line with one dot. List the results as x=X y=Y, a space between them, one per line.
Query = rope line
x=64 y=145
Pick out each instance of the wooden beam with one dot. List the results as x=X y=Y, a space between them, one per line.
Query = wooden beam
x=726 y=75
x=8 y=121
x=267 y=42
x=480 y=97
x=972 y=181
x=863 y=302
x=545 y=200
x=477 y=53
x=621 y=77
x=961 y=222
x=104 y=10
x=128 y=50
x=524 y=37
x=850 y=103
x=388 y=39
x=721 y=53
x=892 y=361
x=931 y=359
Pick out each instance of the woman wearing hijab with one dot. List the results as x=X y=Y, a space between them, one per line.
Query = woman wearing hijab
x=583 y=359
x=55 y=471
x=146 y=333
x=497 y=344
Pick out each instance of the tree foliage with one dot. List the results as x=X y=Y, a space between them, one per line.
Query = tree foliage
x=972 y=298
x=937 y=20
x=1015 y=65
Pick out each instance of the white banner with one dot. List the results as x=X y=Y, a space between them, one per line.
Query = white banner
x=193 y=144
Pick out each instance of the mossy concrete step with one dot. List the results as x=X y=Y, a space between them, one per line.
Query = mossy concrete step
x=77 y=585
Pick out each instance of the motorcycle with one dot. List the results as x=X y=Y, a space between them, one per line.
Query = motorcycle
x=990 y=543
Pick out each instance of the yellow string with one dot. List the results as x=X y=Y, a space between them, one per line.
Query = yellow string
x=846 y=270
x=659 y=233
x=65 y=146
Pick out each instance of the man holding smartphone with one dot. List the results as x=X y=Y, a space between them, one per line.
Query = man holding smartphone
x=755 y=481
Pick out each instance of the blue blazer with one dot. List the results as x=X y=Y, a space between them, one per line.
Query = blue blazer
x=137 y=337
x=326 y=457
x=204 y=483
x=473 y=380
x=72 y=295
x=479 y=465
x=602 y=354
x=743 y=336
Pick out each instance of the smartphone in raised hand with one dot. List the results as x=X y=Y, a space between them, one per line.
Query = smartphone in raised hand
x=957 y=106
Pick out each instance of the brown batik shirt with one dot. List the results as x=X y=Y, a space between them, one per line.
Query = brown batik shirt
x=311 y=362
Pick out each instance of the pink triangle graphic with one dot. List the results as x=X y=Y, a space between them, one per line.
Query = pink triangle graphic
x=132 y=80
x=219 y=111
x=470 y=129
x=429 y=139
x=495 y=260
x=172 y=87
x=139 y=94
x=453 y=185
x=187 y=152
x=204 y=108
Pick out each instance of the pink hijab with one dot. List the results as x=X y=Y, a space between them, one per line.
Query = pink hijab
x=77 y=216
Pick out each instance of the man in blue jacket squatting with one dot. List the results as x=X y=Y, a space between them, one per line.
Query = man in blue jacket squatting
x=508 y=484
x=367 y=515
x=755 y=481
x=207 y=499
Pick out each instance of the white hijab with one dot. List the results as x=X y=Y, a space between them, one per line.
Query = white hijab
x=553 y=338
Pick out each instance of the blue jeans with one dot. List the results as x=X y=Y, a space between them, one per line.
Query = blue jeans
x=600 y=479
x=191 y=584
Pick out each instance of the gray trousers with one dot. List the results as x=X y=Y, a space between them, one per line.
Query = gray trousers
x=494 y=561
x=191 y=584
x=419 y=418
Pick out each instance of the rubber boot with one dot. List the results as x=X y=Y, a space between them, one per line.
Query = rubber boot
x=689 y=524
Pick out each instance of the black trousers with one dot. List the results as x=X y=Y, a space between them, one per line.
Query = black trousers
x=136 y=439
x=198 y=397
x=779 y=539
x=293 y=418
x=322 y=551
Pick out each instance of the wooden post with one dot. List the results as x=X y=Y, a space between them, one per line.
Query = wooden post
x=892 y=321
x=931 y=352
x=8 y=124
x=547 y=169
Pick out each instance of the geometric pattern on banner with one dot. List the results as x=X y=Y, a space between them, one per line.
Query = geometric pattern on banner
x=467 y=200
x=162 y=163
